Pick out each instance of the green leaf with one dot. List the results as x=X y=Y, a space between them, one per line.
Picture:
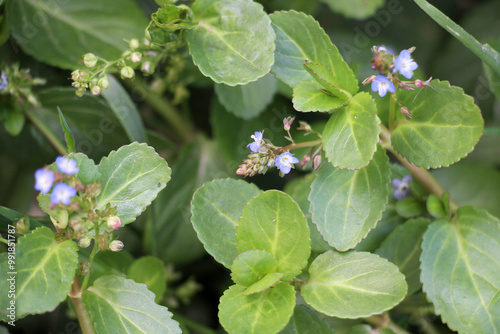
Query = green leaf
x=353 y=284
x=43 y=271
x=485 y=52
x=131 y=178
x=493 y=77
x=68 y=135
x=151 y=271
x=89 y=172
x=266 y=282
x=108 y=263
x=326 y=78
x=306 y=321
x=215 y=210
x=402 y=247
x=351 y=135
x=14 y=123
x=460 y=263
x=266 y=312
x=299 y=38
x=355 y=9
x=435 y=206
x=233 y=42
x=119 y=305
x=366 y=329
x=250 y=100
x=125 y=110
x=410 y=207
x=66 y=30
x=273 y=221
x=445 y=125
x=346 y=205
x=311 y=96
x=250 y=266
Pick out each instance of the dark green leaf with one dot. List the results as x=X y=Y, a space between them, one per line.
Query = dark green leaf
x=68 y=134
x=151 y=271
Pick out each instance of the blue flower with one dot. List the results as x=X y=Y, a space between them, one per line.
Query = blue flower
x=44 y=180
x=402 y=187
x=62 y=193
x=381 y=85
x=255 y=146
x=285 y=161
x=67 y=166
x=405 y=64
x=3 y=81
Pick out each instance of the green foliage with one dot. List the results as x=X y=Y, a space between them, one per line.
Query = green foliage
x=68 y=135
x=306 y=321
x=249 y=266
x=151 y=271
x=356 y=9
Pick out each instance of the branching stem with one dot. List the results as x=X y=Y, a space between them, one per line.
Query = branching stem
x=81 y=312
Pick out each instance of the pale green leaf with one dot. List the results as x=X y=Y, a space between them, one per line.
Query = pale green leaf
x=311 y=96
x=249 y=100
x=233 y=42
x=353 y=284
x=266 y=282
x=346 y=205
x=131 y=178
x=445 y=125
x=151 y=271
x=119 y=305
x=351 y=135
x=43 y=272
x=266 y=312
x=299 y=38
x=273 y=221
x=326 y=78
x=402 y=247
x=460 y=263
x=60 y=33
x=250 y=266
x=356 y=9
x=215 y=210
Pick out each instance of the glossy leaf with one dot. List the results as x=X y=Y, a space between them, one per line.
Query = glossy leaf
x=233 y=42
x=299 y=38
x=402 y=247
x=251 y=265
x=262 y=313
x=350 y=137
x=273 y=221
x=151 y=271
x=353 y=284
x=460 y=263
x=356 y=9
x=60 y=33
x=311 y=96
x=266 y=282
x=119 y=305
x=445 y=126
x=131 y=178
x=346 y=205
x=43 y=273
x=306 y=321
x=215 y=210
x=249 y=100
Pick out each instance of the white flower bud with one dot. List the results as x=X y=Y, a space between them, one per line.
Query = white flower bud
x=114 y=222
x=90 y=60
x=84 y=242
x=96 y=90
x=136 y=57
x=116 y=245
x=127 y=72
x=134 y=44
x=103 y=83
x=80 y=91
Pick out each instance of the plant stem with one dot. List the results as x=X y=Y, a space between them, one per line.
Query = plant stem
x=383 y=321
x=91 y=261
x=46 y=131
x=301 y=145
x=392 y=106
x=419 y=173
x=83 y=315
x=163 y=107
x=195 y=326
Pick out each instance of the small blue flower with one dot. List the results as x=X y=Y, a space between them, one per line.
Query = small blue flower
x=3 y=81
x=66 y=166
x=62 y=193
x=405 y=64
x=255 y=146
x=402 y=187
x=44 y=180
x=381 y=85
x=285 y=161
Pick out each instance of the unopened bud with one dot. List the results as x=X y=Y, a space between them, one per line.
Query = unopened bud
x=136 y=57
x=305 y=160
x=103 y=83
x=127 y=72
x=405 y=111
x=114 y=222
x=84 y=242
x=134 y=43
x=304 y=126
x=420 y=83
x=80 y=91
x=287 y=122
x=369 y=80
x=116 y=245
x=316 y=162
x=96 y=90
x=23 y=225
x=90 y=60
x=147 y=68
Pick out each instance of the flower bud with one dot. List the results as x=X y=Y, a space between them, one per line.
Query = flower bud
x=23 y=225
x=136 y=57
x=116 y=245
x=304 y=126
x=317 y=162
x=127 y=72
x=369 y=80
x=103 y=83
x=134 y=43
x=96 y=90
x=84 y=242
x=80 y=91
x=287 y=122
x=114 y=222
x=147 y=67
x=90 y=60
x=405 y=111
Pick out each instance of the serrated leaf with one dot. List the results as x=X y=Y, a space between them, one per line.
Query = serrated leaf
x=350 y=137
x=445 y=125
x=402 y=247
x=249 y=266
x=66 y=30
x=266 y=282
x=460 y=263
x=356 y=9
x=249 y=100
x=353 y=284
x=119 y=305
x=306 y=321
x=43 y=273
x=299 y=38
x=233 y=42
x=346 y=205
x=311 y=96
x=326 y=78
x=151 y=271
x=266 y=312
x=215 y=210
x=88 y=170
x=131 y=178
x=273 y=221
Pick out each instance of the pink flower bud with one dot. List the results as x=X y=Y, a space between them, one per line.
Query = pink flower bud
x=114 y=222
x=116 y=245
x=316 y=162
x=405 y=111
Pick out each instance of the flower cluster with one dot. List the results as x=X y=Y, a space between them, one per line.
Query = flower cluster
x=402 y=187
x=61 y=192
